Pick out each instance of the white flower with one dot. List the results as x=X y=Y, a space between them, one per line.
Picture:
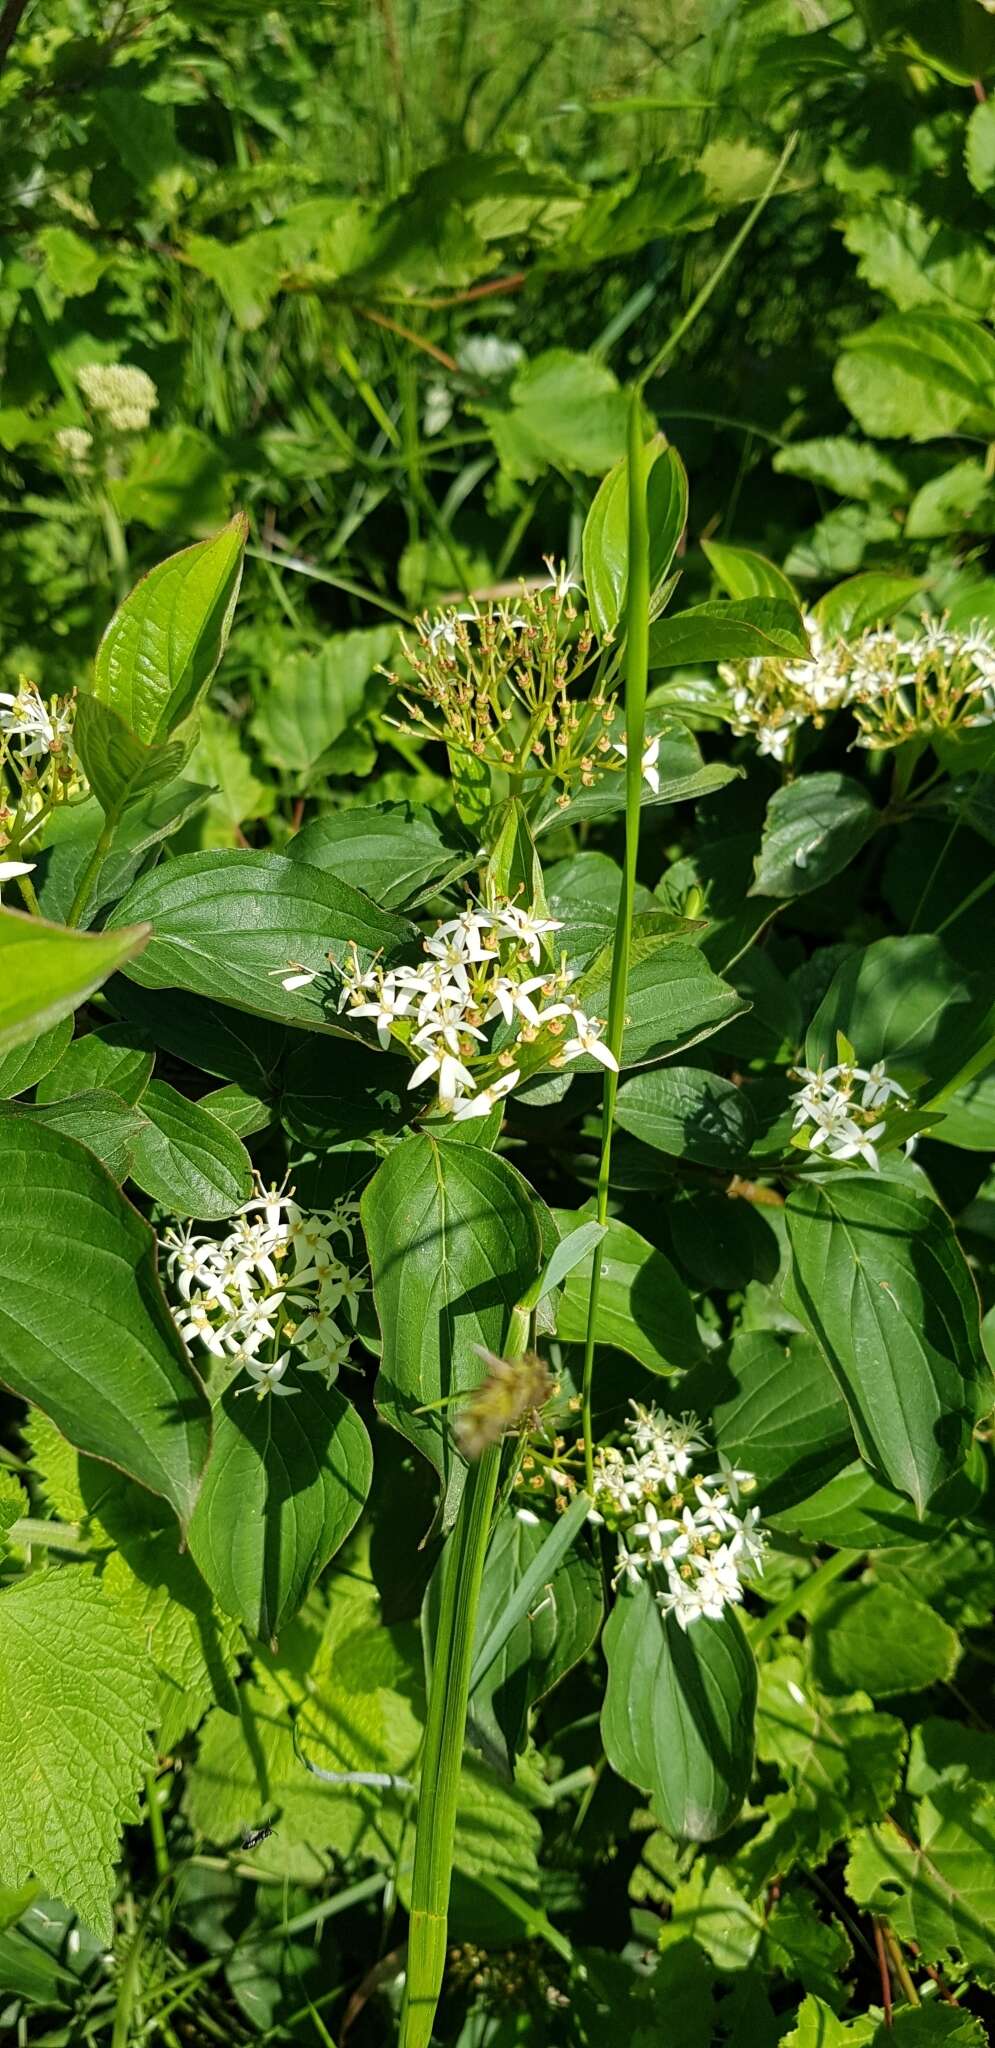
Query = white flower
x=525 y=928
x=588 y=1039
x=25 y=717
x=10 y=869
x=559 y=581
x=878 y=1086
x=75 y=444
x=855 y=1143
x=455 y=1080
x=266 y=1377
x=525 y=1515
x=651 y=752
x=511 y=998
x=488 y=356
x=482 y=1104
x=386 y=1008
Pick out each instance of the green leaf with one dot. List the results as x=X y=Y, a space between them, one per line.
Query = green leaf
x=162 y=647
x=818 y=2026
x=842 y=1760
x=393 y=852
x=745 y=574
x=644 y=1308
x=689 y=1114
x=969 y=1115
x=858 y=1511
x=898 y=1000
x=227 y=923
x=72 y=834
x=864 y=1640
x=738 y=629
x=28 y=1063
x=678 y=1714
x=566 y=1255
x=784 y=1419
x=318 y=698
x=853 y=469
x=884 y=1287
x=75 y=1700
x=862 y=601
x=813 y=829
x=46 y=971
x=453 y=1238
x=119 y=767
x=113 y=1375
x=98 y=1119
x=937 y=1888
x=175 y=482
x=106 y=1057
x=74 y=266
x=919 y=374
x=673 y=999
x=606 y=532
x=284 y=1484
x=566 y=410
x=188 y=1160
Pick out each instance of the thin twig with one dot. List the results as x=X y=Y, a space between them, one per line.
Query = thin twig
x=408 y=334
x=885 y=1973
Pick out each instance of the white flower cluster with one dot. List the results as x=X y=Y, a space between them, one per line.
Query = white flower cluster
x=688 y=1528
x=897 y=686
x=75 y=444
x=837 y=1109
x=126 y=396
x=267 y=1295
x=38 y=728
x=478 y=970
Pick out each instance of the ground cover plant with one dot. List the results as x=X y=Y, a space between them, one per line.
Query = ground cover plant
x=497 y=1025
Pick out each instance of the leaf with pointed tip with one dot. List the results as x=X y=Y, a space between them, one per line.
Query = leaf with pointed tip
x=164 y=643
x=47 y=971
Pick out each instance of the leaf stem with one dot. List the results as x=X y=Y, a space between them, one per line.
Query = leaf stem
x=91 y=872
x=803 y=1596
x=636 y=670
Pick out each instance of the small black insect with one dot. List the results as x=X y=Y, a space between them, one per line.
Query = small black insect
x=251 y=1837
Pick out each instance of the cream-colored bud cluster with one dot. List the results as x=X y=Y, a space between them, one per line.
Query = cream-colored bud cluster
x=123 y=395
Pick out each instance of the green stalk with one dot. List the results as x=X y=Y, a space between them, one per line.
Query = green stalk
x=637 y=606
x=442 y=1753
x=91 y=872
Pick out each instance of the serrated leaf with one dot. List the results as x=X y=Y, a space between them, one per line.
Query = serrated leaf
x=884 y=1287
x=192 y=1649
x=113 y=1375
x=163 y=645
x=864 y=1640
x=226 y=924
x=936 y=1885
x=842 y=1760
x=46 y=971
x=75 y=1700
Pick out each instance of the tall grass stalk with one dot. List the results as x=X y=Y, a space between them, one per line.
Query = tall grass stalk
x=636 y=668
x=445 y=1731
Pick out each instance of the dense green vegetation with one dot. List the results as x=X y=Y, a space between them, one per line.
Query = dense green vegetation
x=497 y=1024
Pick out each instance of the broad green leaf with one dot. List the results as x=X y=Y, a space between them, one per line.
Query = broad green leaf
x=316 y=699
x=919 y=374
x=120 y=768
x=72 y=834
x=644 y=1307
x=842 y=1760
x=745 y=574
x=737 y=629
x=162 y=647
x=678 y=1714
x=935 y=1883
x=228 y=924
x=113 y=1375
x=222 y=1041
x=239 y=1111
x=606 y=532
x=896 y=1000
x=100 y=1120
x=862 y=601
x=566 y=410
x=813 y=829
x=284 y=1484
x=393 y=853
x=858 y=1511
x=514 y=870
x=683 y=778
x=784 y=1419
x=187 y=1159
x=74 y=266
x=583 y=892
x=688 y=1113
x=75 y=1701
x=865 y=1640
x=969 y=1115
x=453 y=1238
x=884 y=1287
x=818 y=2026
x=28 y=1063
x=107 y=1057
x=177 y=481
x=673 y=999
x=46 y=971
x=853 y=469
x=357 y=1093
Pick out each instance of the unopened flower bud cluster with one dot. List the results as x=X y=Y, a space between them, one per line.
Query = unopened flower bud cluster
x=279 y=1291
x=483 y=970
x=500 y=684
x=837 y=1109
x=688 y=1533
x=899 y=687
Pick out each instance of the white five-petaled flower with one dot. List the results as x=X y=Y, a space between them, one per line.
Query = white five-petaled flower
x=648 y=764
x=482 y=1104
x=10 y=869
x=588 y=1038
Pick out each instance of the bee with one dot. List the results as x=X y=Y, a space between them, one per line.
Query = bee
x=252 y=1837
x=513 y=1389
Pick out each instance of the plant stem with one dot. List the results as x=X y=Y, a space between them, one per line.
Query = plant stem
x=30 y=900
x=442 y=1754
x=636 y=668
x=804 y=1596
x=91 y=872
x=117 y=546
x=157 y=1831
